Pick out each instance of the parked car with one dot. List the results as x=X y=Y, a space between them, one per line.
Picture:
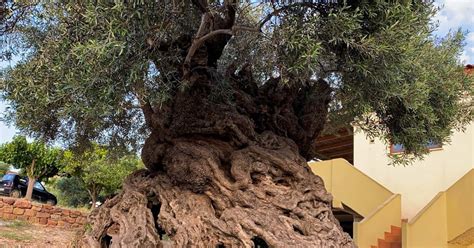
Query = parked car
x=14 y=185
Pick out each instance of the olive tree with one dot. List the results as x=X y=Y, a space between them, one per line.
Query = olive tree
x=230 y=98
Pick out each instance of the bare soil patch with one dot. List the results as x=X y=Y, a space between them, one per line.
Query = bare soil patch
x=22 y=234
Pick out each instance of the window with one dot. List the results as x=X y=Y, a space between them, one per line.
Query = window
x=433 y=145
x=398 y=148
x=38 y=186
x=8 y=177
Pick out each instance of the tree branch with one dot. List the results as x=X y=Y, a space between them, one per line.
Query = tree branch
x=197 y=43
x=202 y=5
x=276 y=12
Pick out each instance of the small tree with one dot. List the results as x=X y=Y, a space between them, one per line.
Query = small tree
x=35 y=159
x=71 y=191
x=98 y=171
x=4 y=167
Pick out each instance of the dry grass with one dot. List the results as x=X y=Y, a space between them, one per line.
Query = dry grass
x=23 y=234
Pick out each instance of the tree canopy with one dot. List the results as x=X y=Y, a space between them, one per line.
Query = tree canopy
x=4 y=168
x=90 y=67
x=70 y=191
x=21 y=154
x=98 y=171
x=232 y=97
x=35 y=159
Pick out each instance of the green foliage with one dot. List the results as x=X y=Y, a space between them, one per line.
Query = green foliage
x=90 y=64
x=35 y=159
x=96 y=172
x=70 y=191
x=4 y=167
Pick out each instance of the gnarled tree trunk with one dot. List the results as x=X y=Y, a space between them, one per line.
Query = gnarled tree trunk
x=225 y=171
x=227 y=175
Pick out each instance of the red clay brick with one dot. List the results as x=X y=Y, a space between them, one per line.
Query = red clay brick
x=30 y=212
x=42 y=215
x=8 y=209
x=18 y=211
x=8 y=201
x=25 y=204
x=37 y=208
x=8 y=216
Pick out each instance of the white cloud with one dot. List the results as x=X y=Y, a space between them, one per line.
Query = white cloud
x=465 y=58
x=470 y=37
x=455 y=14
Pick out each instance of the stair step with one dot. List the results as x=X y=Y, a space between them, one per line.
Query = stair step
x=396 y=230
x=396 y=245
x=392 y=237
x=384 y=244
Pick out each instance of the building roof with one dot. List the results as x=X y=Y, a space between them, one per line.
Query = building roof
x=469 y=69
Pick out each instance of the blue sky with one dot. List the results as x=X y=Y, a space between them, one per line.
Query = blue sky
x=454 y=14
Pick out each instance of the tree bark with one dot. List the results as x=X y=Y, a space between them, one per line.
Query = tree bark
x=31 y=181
x=227 y=174
x=29 y=190
x=226 y=161
x=93 y=195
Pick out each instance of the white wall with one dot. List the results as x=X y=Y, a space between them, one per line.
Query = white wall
x=419 y=182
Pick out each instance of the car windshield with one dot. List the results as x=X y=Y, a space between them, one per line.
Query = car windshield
x=38 y=185
x=8 y=177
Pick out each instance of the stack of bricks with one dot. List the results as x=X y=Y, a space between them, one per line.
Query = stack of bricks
x=21 y=209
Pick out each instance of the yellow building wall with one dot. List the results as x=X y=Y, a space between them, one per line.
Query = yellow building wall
x=351 y=186
x=429 y=229
x=419 y=182
x=447 y=221
x=379 y=207
x=373 y=227
x=460 y=206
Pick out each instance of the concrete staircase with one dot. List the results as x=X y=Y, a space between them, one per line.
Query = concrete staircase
x=376 y=210
x=392 y=239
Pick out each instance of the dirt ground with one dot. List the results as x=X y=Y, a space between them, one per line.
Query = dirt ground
x=21 y=234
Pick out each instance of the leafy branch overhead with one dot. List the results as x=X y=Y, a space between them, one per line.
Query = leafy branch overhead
x=92 y=71
x=231 y=97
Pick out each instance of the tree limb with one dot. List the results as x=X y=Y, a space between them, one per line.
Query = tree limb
x=202 y=5
x=276 y=12
x=197 y=43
